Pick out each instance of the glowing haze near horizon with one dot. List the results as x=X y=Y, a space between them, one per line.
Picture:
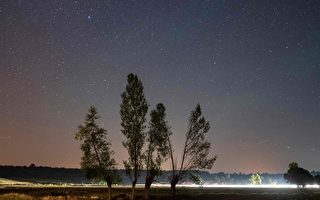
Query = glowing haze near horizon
x=254 y=66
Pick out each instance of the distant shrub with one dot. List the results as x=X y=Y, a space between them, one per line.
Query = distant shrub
x=255 y=179
x=297 y=175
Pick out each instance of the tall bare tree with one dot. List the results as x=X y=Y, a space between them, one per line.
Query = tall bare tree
x=133 y=110
x=196 y=151
x=158 y=147
x=97 y=159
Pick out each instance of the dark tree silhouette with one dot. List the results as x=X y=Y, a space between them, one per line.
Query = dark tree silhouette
x=158 y=148
x=97 y=160
x=133 y=110
x=297 y=175
x=196 y=150
x=32 y=165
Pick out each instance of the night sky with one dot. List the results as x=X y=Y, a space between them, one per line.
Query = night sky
x=254 y=66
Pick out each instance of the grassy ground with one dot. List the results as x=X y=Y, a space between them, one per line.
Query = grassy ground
x=4 y=182
x=79 y=193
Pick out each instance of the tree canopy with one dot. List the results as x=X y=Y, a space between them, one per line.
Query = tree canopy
x=255 y=179
x=97 y=160
x=196 y=152
x=133 y=110
x=297 y=175
x=158 y=147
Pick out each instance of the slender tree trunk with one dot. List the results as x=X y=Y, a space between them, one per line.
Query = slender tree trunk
x=147 y=186
x=173 y=183
x=147 y=192
x=133 y=192
x=173 y=190
x=109 y=191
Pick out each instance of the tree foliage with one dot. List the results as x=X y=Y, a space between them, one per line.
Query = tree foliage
x=197 y=179
x=255 y=179
x=133 y=110
x=97 y=160
x=196 y=152
x=297 y=175
x=197 y=148
x=158 y=147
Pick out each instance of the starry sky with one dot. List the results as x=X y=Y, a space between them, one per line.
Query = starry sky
x=254 y=66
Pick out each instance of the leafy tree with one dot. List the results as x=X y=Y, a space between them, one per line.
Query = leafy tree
x=255 y=179
x=133 y=110
x=97 y=160
x=196 y=179
x=158 y=148
x=196 y=150
x=297 y=175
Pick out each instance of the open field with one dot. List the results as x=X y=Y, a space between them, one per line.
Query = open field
x=9 y=182
x=86 y=192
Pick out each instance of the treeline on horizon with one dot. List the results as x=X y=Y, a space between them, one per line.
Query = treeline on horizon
x=61 y=175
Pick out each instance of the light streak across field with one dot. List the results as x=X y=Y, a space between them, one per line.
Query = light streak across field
x=280 y=186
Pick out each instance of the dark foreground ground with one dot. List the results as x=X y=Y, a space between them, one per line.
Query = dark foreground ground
x=75 y=193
